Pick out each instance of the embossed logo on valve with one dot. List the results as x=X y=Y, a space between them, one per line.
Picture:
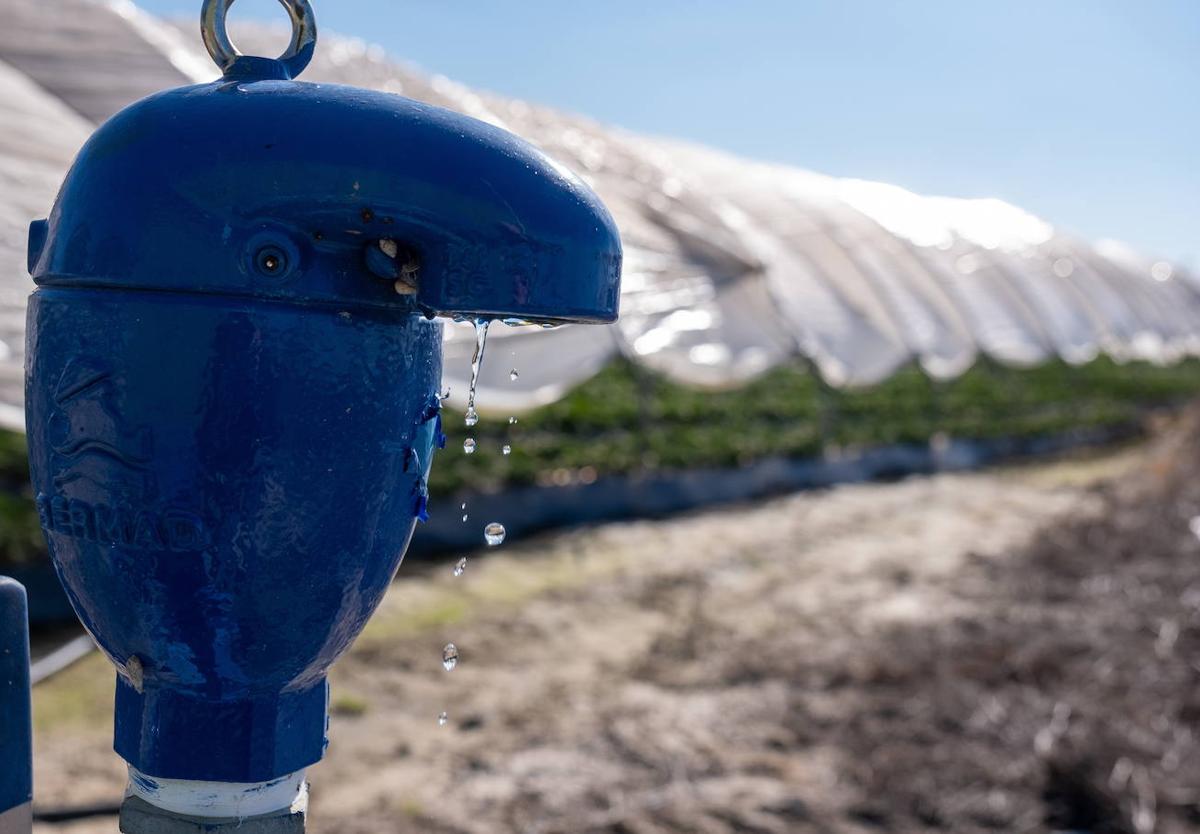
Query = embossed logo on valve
x=96 y=450
x=89 y=437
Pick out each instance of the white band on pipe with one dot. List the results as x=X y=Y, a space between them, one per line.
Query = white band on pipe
x=237 y=800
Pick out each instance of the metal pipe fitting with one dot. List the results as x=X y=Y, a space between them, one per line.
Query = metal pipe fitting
x=16 y=739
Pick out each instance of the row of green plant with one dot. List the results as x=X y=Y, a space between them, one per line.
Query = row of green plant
x=627 y=420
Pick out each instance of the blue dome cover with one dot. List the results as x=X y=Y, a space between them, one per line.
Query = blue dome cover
x=181 y=190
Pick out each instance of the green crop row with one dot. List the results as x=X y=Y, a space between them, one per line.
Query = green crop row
x=627 y=420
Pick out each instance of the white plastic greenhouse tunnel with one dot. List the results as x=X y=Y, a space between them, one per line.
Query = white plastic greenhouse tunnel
x=732 y=267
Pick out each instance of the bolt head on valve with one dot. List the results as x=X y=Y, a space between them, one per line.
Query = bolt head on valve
x=232 y=378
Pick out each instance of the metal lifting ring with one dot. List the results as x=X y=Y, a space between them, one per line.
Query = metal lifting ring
x=225 y=54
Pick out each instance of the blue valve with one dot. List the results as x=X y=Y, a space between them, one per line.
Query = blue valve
x=232 y=351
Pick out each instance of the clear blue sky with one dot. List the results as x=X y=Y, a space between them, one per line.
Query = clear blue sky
x=1086 y=112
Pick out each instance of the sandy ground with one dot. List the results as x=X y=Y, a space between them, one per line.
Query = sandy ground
x=827 y=661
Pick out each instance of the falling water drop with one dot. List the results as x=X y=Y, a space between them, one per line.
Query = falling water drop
x=465 y=517
x=443 y=719
x=512 y=421
x=461 y=566
x=481 y=331
x=463 y=506
x=494 y=533
x=507 y=450
x=469 y=445
x=449 y=657
x=513 y=375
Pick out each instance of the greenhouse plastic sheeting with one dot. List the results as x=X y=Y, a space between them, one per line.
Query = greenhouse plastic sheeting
x=732 y=267
x=38 y=139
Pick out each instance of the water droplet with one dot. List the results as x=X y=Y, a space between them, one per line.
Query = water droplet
x=465 y=517
x=443 y=719
x=469 y=445
x=472 y=418
x=494 y=533
x=512 y=421
x=507 y=449
x=449 y=657
x=513 y=375
x=463 y=506
x=481 y=331
x=461 y=566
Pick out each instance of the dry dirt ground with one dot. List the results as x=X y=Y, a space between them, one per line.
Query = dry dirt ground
x=1014 y=650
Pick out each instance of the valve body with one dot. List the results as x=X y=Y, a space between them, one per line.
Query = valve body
x=232 y=376
x=227 y=486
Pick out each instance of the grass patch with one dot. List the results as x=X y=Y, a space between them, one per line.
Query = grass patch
x=349 y=705
x=442 y=607
x=78 y=697
x=502 y=583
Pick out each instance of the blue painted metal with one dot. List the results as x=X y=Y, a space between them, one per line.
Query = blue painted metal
x=184 y=190
x=16 y=761
x=231 y=413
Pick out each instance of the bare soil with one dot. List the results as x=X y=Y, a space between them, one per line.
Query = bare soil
x=1014 y=650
